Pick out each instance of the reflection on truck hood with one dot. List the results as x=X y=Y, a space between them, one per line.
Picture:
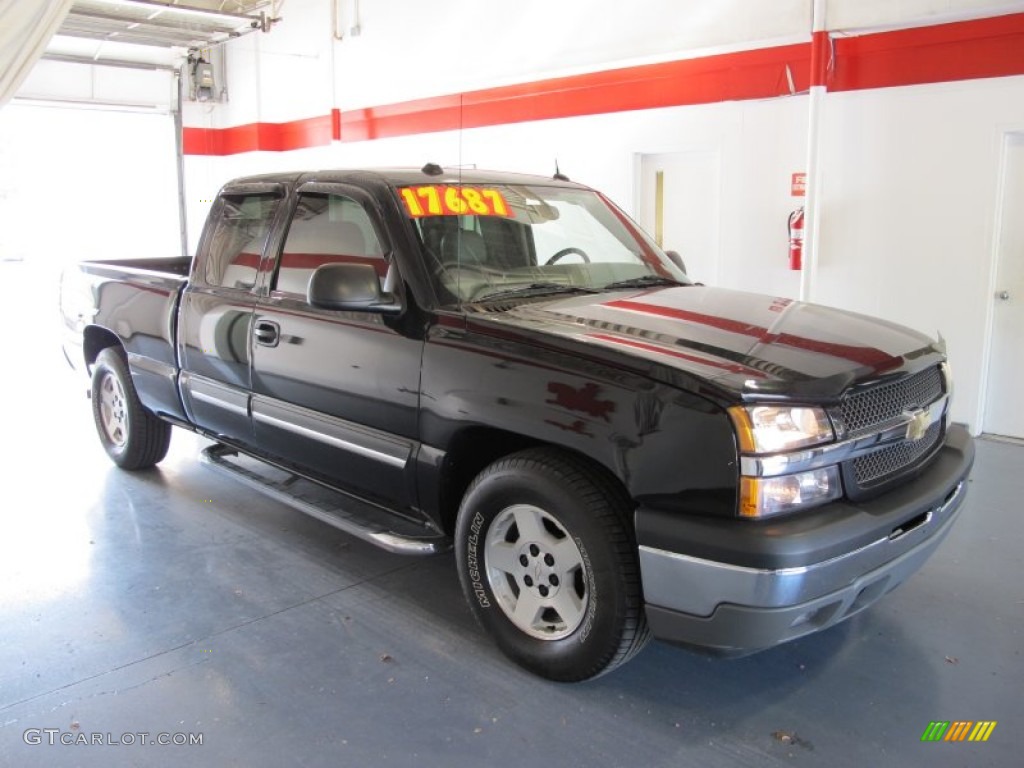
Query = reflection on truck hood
x=747 y=343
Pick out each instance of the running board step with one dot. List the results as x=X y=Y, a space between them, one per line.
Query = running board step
x=355 y=517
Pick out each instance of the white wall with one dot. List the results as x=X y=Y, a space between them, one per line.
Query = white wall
x=285 y=75
x=409 y=49
x=874 y=14
x=909 y=195
x=909 y=174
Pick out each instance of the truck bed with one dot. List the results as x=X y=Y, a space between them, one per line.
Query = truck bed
x=137 y=300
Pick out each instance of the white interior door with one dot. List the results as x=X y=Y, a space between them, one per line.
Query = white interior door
x=1003 y=414
x=688 y=207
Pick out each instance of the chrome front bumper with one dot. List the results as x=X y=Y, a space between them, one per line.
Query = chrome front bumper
x=734 y=610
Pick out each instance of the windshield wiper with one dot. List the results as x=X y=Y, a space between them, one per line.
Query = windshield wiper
x=644 y=281
x=534 y=289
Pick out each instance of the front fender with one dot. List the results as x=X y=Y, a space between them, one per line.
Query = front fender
x=669 y=448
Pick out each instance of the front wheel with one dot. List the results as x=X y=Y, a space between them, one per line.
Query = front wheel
x=548 y=562
x=131 y=435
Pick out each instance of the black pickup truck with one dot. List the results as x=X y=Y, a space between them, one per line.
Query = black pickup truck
x=508 y=365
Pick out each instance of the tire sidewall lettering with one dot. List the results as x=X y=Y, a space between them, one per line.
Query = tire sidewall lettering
x=473 y=560
x=588 y=619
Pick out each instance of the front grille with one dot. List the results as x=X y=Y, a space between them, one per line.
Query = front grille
x=882 y=464
x=865 y=410
x=862 y=412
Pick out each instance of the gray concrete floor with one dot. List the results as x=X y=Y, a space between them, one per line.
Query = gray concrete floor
x=175 y=601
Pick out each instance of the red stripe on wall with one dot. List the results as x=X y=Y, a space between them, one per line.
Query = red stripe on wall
x=272 y=137
x=964 y=50
x=992 y=47
x=755 y=74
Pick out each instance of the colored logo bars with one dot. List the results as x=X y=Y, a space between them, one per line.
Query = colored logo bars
x=958 y=730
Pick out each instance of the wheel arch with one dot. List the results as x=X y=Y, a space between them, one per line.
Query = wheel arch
x=472 y=449
x=95 y=339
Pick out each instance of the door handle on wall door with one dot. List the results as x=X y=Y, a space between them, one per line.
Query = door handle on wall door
x=1003 y=295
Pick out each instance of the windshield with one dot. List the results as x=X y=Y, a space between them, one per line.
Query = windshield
x=496 y=240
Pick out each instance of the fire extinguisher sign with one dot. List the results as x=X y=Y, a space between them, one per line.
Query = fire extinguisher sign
x=798 y=185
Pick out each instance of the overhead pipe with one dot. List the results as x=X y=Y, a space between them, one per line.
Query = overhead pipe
x=179 y=151
x=355 y=30
x=821 y=49
x=335 y=18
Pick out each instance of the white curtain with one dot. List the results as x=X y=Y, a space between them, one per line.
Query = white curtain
x=26 y=26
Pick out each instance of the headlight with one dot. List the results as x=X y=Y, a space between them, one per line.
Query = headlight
x=766 y=496
x=947 y=383
x=770 y=428
x=947 y=377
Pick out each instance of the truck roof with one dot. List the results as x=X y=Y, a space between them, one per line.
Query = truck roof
x=407 y=176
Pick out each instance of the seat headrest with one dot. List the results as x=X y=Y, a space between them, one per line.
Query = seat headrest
x=463 y=247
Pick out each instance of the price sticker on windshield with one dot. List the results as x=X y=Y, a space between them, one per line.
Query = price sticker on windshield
x=440 y=200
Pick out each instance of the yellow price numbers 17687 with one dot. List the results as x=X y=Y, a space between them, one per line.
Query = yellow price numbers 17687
x=443 y=200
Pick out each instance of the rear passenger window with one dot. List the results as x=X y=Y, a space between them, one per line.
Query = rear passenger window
x=326 y=229
x=239 y=236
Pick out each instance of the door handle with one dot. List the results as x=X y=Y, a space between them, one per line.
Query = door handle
x=1003 y=295
x=267 y=333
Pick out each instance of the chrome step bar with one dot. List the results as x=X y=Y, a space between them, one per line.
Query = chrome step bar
x=348 y=514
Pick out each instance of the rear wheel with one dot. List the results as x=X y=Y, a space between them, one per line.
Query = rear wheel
x=131 y=435
x=548 y=562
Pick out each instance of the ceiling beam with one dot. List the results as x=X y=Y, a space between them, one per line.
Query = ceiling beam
x=192 y=9
x=125 y=63
x=158 y=22
x=140 y=40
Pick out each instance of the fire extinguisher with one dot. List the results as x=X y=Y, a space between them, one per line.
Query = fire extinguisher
x=796 y=238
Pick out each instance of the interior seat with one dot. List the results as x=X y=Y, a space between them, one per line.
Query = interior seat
x=464 y=247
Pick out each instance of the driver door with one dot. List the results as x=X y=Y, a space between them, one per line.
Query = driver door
x=335 y=392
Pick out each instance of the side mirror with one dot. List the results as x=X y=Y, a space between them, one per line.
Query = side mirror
x=353 y=287
x=676 y=259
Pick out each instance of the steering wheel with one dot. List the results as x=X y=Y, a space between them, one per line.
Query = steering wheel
x=565 y=252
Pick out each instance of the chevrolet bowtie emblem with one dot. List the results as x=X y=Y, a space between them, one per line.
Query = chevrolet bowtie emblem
x=920 y=420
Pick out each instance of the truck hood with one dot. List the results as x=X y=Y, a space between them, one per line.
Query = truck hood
x=752 y=345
